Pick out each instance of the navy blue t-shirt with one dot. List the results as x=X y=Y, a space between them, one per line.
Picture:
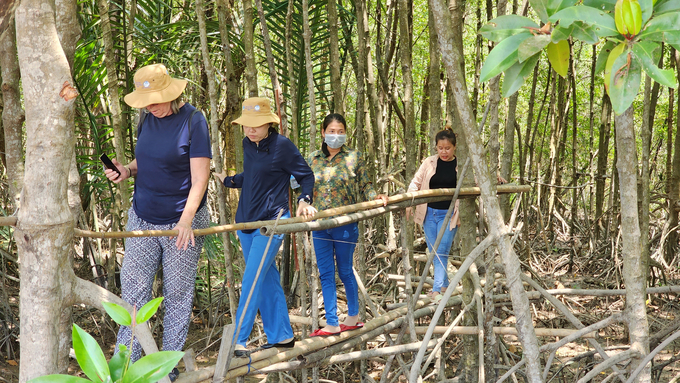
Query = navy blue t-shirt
x=163 y=167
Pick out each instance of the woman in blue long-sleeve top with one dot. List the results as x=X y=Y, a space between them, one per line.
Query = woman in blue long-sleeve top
x=269 y=160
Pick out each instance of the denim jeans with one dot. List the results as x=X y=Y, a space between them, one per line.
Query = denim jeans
x=268 y=294
x=434 y=220
x=337 y=246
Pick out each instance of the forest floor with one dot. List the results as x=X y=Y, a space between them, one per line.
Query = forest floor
x=590 y=270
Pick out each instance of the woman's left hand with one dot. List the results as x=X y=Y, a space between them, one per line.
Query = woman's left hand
x=383 y=198
x=501 y=180
x=305 y=210
x=186 y=235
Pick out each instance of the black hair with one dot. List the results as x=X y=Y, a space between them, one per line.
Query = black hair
x=446 y=134
x=333 y=117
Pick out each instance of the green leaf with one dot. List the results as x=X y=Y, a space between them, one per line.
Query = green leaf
x=506 y=26
x=646 y=6
x=662 y=28
x=147 y=311
x=152 y=368
x=647 y=52
x=541 y=9
x=603 y=22
x=118 y=313
x=603 y=55
x=662 y=7
x=605 y=5
x=58 y=378
x=531 y=46
x=89 y=355
x=558 y=54
x=585 y=32
x=624 y=82
x=517 y=74
x=561 y=33
x=502 y=56
x=117 y=363
x=558 y=5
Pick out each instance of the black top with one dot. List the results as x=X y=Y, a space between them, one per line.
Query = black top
x=444 y=177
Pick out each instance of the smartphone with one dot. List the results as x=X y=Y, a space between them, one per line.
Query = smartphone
x=109 y=164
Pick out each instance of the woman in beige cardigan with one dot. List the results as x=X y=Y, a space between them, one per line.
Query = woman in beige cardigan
x=437 y=172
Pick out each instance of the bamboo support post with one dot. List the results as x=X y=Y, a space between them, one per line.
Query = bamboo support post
x=225 y=346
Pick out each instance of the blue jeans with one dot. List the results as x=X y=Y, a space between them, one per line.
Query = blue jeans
x=268 y=294
x=434 y=219
x=337 y=246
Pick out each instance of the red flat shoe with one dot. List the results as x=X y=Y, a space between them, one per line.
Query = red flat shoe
x=344 y=328
x=320 y=332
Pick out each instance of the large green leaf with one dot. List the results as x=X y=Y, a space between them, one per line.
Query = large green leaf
x=663 y=28
x=517 y=74
x=89 y=355
x=558 y=5
x=605 y=5
x=502 y=57
x=506 y=26
x=665 y=6
x=646 y=6
x=603 y=22
x=558 y=54
x=603 y=55
x=153 y=367
x=58 y=378
x=117 y=362
x=561 y=33
x=541 y=9
x=531 y=46
x=624 y=82
x=147 y=311
x=648 y=53
x=118 y=313
x=585 y=32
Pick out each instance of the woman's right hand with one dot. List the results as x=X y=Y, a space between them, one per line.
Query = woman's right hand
x=113 y=176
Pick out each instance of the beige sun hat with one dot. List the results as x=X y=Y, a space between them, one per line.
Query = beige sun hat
x=256 y=112
x=153 y=85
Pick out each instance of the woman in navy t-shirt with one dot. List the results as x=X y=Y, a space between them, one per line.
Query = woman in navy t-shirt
x=172 y=167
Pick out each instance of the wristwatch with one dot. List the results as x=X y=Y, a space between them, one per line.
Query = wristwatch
x=305 y=198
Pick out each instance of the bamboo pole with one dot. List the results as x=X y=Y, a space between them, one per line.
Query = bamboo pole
x=411 y=196
x=473 y=330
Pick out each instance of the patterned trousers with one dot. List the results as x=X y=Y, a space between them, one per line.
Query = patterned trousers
x=143 y=257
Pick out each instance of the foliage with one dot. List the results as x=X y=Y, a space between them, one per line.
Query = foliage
x=632 y=29
x=91 y=359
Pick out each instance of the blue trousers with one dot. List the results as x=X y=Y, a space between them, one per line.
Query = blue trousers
x=434 y=220
x=268 y=294
x=336 y=246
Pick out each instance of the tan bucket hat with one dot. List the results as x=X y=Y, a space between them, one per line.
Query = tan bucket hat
x=153 y=85
x=256 y=112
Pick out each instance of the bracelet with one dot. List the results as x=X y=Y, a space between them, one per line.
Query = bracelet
x=129 y=171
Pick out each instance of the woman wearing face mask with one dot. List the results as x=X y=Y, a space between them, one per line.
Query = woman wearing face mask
x=340 y=178
x=438 y=172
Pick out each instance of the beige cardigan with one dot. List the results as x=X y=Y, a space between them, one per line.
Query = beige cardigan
x=421 y=181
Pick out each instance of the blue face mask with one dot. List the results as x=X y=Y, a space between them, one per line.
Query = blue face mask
x=335 y=141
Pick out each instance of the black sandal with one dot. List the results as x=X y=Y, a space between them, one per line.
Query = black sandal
x=289 y=344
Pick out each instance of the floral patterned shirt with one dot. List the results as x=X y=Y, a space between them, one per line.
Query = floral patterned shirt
x=341 y=180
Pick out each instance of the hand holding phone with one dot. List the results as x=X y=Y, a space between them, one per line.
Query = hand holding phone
x=109 y=164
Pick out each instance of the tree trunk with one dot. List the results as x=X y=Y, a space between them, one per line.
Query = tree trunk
x=123 y=188
x=12 y=115
x=602 y=159
x=215 y=138
x=453 y=60
x=674 y=185
x=434 y=86
x=359 y=70
x=248 y=40
x=336 y=78
x=633 y=264
x=44 y=230
x=407 y=98
x=643 y=185
x=508 y=152
x=309 y=68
